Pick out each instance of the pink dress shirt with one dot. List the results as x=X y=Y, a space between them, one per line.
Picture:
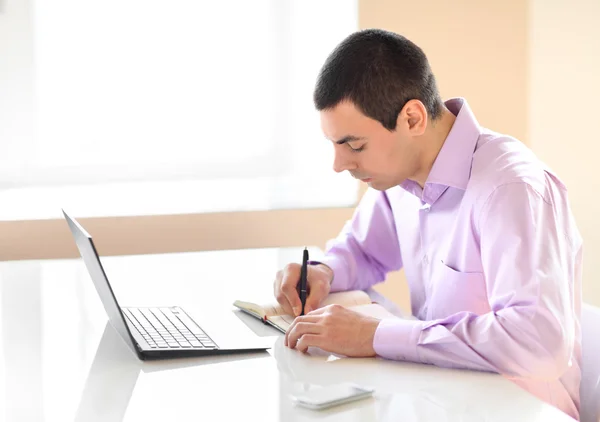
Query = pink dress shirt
x=492 y=256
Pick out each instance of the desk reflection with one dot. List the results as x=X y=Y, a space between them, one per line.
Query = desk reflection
x=110 y=381
x=114 y=373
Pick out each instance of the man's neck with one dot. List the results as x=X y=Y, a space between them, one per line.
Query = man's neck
x=433 y=140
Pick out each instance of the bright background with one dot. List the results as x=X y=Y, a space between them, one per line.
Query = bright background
x=184 y=125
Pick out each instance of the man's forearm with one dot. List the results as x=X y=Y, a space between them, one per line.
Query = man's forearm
x=367 y=247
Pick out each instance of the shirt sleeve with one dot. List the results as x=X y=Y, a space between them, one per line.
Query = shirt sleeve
x=366 y=248
x=531 y=255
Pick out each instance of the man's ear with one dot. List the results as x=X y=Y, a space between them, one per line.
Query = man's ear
x=413 y=118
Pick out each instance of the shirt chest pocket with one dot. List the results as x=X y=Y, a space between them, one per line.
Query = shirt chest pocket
x=452 y=291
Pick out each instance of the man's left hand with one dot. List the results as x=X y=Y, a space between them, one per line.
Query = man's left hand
x=334 y=329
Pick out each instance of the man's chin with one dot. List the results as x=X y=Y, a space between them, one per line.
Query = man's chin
x=373 y=184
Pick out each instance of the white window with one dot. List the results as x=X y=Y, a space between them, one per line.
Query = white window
x=137 y=106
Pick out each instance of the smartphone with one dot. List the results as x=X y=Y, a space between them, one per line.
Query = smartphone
x=323 y=397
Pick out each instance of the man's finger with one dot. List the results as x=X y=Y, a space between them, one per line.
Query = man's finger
x=291 y=277
x=313 y=317
x=281 y=298
x=284 y=302
x=311 y=340
x=319 y=311
x=306 y=318
x=317 y=293
x=300 y=329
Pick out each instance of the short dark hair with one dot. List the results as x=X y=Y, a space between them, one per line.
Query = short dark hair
x=379 y=71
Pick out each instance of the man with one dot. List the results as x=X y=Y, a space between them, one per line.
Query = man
x=481 y=227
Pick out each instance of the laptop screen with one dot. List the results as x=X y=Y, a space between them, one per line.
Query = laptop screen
x=91 y=259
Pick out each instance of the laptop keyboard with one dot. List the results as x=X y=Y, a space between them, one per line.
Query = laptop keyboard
x=163 y=328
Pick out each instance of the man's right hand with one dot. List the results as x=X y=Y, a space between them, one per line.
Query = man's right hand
x=319 y=279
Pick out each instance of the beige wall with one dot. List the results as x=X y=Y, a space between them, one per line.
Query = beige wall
x=564 y=90
x=48 y=239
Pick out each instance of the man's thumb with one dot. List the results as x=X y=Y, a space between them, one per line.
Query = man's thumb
x=312 y=302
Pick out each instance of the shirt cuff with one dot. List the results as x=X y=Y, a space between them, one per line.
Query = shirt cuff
x=340 y=274
x=397 y=339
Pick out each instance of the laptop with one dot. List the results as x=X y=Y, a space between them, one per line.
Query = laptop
x=161 y=332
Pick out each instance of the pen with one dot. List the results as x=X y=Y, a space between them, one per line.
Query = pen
x=303 y=281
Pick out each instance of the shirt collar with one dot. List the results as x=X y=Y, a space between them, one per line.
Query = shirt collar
x=452 y=167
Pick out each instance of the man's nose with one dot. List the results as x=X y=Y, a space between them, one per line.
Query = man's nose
x=341 y=164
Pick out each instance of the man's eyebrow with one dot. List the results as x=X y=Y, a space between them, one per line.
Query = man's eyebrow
x=349 y=138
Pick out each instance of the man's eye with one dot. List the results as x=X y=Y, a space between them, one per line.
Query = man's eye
x=359 y=149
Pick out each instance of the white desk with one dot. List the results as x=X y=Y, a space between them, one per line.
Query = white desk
x=61 y=361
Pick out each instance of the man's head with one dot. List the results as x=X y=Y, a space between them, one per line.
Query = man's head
x=377 y=96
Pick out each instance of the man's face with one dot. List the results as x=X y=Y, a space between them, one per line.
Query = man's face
x=367 y=150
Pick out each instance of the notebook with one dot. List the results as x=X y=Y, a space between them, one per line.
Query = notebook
x=273 y=314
